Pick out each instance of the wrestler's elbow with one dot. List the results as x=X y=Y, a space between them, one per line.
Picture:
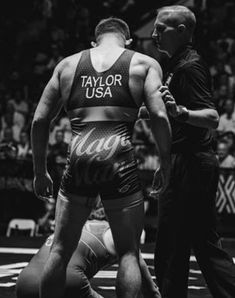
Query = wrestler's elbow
x=213 y=119
x=158 y=116
x=40 y=123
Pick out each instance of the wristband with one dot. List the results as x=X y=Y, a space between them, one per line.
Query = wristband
x=183 y=114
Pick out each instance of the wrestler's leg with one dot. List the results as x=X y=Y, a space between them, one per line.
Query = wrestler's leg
x=78 y=285
x=27 y=285
x=28 y=281
x=71 y=215
x=126 y=217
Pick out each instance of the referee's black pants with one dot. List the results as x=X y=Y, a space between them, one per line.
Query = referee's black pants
x=187 y=220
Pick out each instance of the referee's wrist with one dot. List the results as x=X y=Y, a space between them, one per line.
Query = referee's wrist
x=183 y=114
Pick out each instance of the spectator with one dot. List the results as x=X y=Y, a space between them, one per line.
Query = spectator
x=13 y=119
x=227 y=120
x=218 y=70
x=20 y=104
x=40 y=68
x=57 y=159
x=231 y=82
x=58 y=151
x=55 y=58
x=220 y=96
x=226 y=160
x=24 y=150
x=63 y=124
x=46 y=223
x=15 y=81
x=229 y=138
x=8 y=146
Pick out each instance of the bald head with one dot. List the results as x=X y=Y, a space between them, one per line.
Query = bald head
x=176 y=15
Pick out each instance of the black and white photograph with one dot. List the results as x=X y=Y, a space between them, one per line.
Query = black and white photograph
x=117 y=149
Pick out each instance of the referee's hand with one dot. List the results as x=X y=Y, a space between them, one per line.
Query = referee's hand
x=169 y=101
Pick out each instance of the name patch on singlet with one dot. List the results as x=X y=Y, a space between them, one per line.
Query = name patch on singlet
x=100 y=87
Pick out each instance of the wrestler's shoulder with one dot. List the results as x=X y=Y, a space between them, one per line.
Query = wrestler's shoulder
x=144 y=60
x=68 y=64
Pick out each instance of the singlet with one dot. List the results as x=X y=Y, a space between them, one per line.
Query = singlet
x=91 y=254
x=102 y=114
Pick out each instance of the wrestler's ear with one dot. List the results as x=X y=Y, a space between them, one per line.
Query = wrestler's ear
x=93 y=44
x=181 y=28
x=128 y=42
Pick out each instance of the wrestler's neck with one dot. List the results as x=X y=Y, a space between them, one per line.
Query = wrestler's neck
x=110 y=41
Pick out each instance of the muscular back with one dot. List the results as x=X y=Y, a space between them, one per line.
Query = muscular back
x=103 y=59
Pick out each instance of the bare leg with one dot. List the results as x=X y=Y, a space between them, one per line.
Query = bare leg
x=126 y=225
x=70 y=218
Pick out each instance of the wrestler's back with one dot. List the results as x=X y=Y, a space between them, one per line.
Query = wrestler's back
x=103 y=107
x=101 y=61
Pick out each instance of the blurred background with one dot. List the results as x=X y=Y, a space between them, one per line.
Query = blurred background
x=36 y=34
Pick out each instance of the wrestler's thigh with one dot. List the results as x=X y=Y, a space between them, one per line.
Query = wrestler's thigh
x=70 y=218
x=126 y=223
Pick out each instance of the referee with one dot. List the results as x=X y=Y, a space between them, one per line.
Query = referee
x=187 y=217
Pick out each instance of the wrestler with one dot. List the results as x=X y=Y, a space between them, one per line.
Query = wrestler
x=95 y=251
x=101 y=90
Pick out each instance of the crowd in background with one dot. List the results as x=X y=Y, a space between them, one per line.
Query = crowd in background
x=36 y=35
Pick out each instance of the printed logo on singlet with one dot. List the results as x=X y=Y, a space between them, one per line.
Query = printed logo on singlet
x=97 y=150
x=100 y=87
x=106 y=145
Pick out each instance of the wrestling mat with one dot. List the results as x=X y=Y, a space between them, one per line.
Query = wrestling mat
x=15 y=253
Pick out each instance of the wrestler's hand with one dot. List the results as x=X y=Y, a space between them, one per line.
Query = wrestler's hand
x=160 y=182
x=156 y=184
x=169 y=100
x=43 y=186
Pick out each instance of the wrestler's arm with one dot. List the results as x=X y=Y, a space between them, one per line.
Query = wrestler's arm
x=159 y=121
x=149 y=288
x=48 y=107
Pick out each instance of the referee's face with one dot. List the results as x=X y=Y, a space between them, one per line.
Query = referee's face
x=165 y=35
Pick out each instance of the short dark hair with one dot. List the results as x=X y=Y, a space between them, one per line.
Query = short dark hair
x=179 y=14
x=112 y=25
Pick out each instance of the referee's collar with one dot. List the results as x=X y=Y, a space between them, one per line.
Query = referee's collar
x=179 y=54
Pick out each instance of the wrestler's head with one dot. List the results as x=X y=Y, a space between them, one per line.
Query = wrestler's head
x=113 y=27
x=173 y=28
